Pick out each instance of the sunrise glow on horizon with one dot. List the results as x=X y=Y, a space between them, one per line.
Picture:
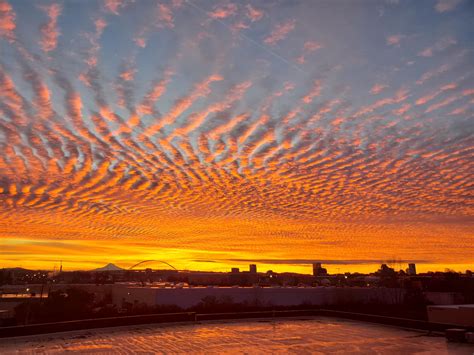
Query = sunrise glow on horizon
x=214 y=134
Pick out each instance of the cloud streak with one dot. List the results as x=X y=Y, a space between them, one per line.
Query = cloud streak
x=49 y=30
x=446 y=5
x=7 y=21
x=280 y=32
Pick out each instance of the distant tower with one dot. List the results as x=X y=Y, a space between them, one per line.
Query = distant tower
x=235 y=270
x=253 y=268
x=411 y=269
x=61 y=266
x=318 y=270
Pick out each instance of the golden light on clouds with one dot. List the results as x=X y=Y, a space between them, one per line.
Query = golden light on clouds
x=217 y=135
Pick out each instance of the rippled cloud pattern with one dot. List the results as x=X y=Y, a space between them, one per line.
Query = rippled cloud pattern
x=216 y=133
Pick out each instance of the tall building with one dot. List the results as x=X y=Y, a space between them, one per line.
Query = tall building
x=253 y=268
x=411 y=269
x=318 y=270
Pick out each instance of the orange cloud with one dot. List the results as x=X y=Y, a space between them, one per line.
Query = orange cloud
x=92 y=53
x=441 y=104
x=49 y=30
x=254 y=14
x=280 y=32
x=423 y=100
x=113 y=6
x=439 y=46
x=198 y=118
x=182 y=104
x=12 y=99
x=378 y=88
x=7 y=21
x=446 y=5
x=394 y=40
x=128 y=74
x=221 y=12
x=315 y=91
x=308 y=47
x=165 y=17
x=146 y=107
x=239 y=26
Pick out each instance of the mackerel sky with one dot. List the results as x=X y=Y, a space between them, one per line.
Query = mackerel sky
x=212 y=134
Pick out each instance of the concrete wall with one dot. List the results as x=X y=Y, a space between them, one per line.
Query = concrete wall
x=444 y=298
x=285 y=296
x=462 y=315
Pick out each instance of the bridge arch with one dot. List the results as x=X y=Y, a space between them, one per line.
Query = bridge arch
x=149 y=261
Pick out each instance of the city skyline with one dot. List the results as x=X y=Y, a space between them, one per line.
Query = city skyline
x=303 y=267
x=218 y=134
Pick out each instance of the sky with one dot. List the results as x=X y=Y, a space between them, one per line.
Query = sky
x=213 y=134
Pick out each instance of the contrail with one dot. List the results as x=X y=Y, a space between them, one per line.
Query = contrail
x=266 y=49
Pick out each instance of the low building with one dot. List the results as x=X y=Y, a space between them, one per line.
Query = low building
x=188 y=297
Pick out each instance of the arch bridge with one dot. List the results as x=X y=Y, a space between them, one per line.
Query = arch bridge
x=154 y=261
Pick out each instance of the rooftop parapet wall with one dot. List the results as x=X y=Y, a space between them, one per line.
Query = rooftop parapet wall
x=285 y=296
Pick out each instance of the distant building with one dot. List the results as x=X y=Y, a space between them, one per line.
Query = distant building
x=318 y=270
x=235 y=270
x=124 y=296
x=253 y=268
x=386 y=271
x=411 y=269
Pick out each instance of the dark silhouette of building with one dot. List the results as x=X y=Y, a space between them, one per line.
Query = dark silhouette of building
x=318 y=270
x=411 y=269
x=253 y=268
x=234 y=270
x=386 y=271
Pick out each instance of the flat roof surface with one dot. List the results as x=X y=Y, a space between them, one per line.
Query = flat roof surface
x=296 y=335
